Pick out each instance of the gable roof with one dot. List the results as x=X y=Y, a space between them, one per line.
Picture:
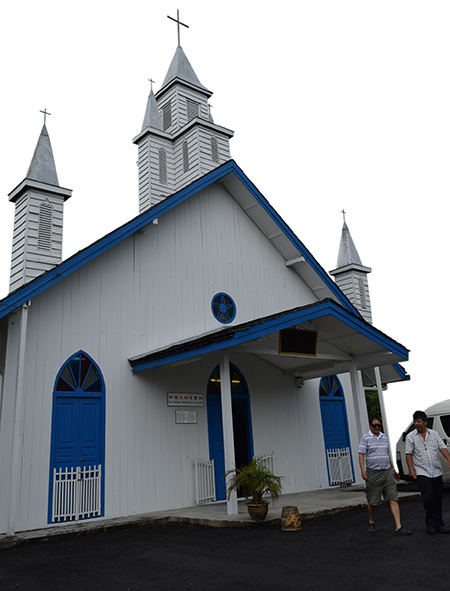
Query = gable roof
x=255 y=205
x=342 y=340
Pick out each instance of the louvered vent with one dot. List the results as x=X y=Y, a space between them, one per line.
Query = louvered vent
x=214 y=149
x=192 y=109
x=162 y=166
x=167 y=116
x=362 y=293
x=185 y=156
x=45 y=225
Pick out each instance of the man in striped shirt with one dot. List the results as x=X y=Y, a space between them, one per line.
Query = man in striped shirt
x=379 y=474
x=422 y=456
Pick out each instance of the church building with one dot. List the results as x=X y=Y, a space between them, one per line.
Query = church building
x=192 y=338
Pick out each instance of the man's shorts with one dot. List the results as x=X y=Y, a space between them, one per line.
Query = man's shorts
x=380 y=483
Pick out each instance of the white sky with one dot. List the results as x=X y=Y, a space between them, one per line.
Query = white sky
x=335 y=104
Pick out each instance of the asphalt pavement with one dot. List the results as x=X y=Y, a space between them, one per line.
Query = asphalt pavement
x=330 y=552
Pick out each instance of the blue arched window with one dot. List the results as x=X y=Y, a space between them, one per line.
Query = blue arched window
x=331 y=386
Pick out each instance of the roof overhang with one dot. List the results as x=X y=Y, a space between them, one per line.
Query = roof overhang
x=343 y=338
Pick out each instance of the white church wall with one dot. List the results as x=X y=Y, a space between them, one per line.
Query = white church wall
x=154 y=289
x=286 y=421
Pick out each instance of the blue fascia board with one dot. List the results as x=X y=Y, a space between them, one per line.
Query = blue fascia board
x=40 y=284
x=293 y=238
x=328 y=308
x=401 y=371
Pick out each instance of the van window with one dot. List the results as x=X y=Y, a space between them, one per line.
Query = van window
x=445 y=420
x=430 y=421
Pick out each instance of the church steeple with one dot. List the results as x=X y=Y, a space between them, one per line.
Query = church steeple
x=179 y=141
x=351 y=276
x=38 y=220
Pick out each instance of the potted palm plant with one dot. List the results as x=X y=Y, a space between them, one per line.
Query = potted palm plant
x=256 y=481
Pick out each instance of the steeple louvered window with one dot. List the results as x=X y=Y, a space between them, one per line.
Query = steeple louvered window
x=162 y=166
x=214 y=149
x=45 y=225
x=362 y=293
x=193 y=109
x=185 y=156
x=167 y=116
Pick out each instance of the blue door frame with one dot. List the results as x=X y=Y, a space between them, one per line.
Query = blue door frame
x=242 y=425
x=334 y=416
x=78 y=419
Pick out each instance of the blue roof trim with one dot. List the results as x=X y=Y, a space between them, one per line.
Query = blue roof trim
x=326 y=308
x=401 y=372
x=43 y=282
x=293 y=238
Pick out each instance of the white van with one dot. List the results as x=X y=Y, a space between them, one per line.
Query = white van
x=439 y=420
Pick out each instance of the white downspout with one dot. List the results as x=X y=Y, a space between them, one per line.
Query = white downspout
x=227 y=424
x=18 y=423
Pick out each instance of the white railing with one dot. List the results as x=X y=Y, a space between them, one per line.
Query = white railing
x=267 y=460
x=339 y=465
x=76 y=493
x=205 y=485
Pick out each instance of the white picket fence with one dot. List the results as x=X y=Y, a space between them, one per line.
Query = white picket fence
x=76 y=493
x=339 y=465
x=205 y=485
x=267 y=460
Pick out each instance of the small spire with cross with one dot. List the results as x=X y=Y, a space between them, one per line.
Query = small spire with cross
x=177 y=20
x=343 y=213
x=45 y=114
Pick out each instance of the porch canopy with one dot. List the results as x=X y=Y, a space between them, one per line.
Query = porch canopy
x=344 y=343
x=344 y=340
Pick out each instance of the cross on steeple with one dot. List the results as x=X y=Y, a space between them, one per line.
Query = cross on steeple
x=151 y=83
x=45 y=114
x=343 y=213
x=177 y=20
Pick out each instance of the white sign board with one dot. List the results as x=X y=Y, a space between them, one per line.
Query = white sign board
x=185 y=416
x=179 y=399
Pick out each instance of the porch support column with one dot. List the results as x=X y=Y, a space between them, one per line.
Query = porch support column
x=227 y=424
x=381 y=399
x=359 y=400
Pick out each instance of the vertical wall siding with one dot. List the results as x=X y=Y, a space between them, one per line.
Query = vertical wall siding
x=152 y=290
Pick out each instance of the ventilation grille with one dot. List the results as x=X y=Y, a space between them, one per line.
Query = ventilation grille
x=192 y=109
x=214 y=149
x=167 y=116
x=362 y=294
x=185 y=156
x=162 y=166
x=45 y=225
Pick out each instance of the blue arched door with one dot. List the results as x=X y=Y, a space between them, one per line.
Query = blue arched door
x=335 y=427
x=242 y=425
x=78 y=442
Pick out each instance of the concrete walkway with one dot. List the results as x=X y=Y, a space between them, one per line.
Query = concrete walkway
x=310 y=504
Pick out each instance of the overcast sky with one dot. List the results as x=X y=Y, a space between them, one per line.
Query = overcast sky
x=334 y=103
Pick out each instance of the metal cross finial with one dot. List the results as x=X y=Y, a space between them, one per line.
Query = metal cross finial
x=343 y=213
x=45 y=114
x=151 y=83
x=177 y=20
